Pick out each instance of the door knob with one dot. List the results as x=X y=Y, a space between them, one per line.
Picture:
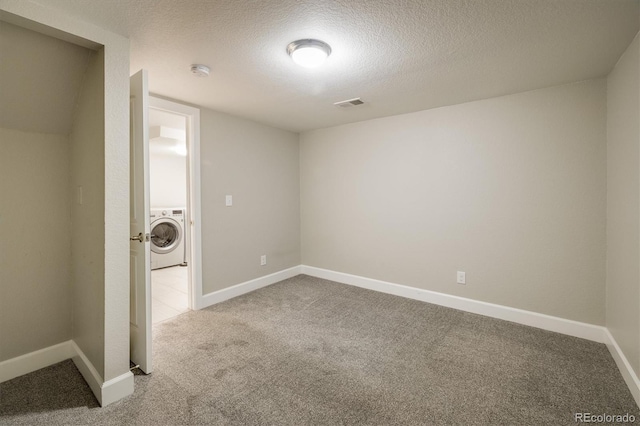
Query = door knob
x=140 y=237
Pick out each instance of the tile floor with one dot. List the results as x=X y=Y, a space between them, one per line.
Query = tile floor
x=169 y=293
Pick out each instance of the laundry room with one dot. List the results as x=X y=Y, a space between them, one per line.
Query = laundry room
x=168 y=201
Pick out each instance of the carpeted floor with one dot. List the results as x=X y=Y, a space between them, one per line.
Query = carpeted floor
x=310 y=351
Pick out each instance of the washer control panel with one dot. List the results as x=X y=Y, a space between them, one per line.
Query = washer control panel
x=176 y=214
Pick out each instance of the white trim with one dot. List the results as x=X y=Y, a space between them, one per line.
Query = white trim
x=630 y=376
x=546 y=322
x=105 y=392
x=117 y=388
x=122 y=386
x=533 y=319
x=247 y=287
x=88 y=371
x=192 y=116
x=36 y=360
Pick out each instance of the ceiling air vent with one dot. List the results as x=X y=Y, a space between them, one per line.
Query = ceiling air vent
x=349 y=103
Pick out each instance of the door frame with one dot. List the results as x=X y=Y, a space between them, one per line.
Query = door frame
x=193 y=228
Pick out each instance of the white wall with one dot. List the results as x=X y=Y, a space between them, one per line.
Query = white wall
x=258 y=165
x=623 y=203
x=88 y=238
x=510 y=190
x=167 y=179
x=35 y=247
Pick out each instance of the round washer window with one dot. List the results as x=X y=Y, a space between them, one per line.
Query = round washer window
x=165 y=236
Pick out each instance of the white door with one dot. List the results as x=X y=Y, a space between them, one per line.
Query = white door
x=140 y=309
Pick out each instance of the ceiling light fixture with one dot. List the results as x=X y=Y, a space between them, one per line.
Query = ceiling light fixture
x=200 y=70
x=309 y=53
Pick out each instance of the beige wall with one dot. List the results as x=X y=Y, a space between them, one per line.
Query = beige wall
x=623 y=203
x=114 y=334
x=35 y=247
x=258 y=166
x=510 y=190
x=88 y=242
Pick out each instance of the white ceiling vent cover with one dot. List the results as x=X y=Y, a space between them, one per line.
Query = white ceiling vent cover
x=349 y=103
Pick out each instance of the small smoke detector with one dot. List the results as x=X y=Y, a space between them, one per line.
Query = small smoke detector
x=349 y=103
x=200 y=70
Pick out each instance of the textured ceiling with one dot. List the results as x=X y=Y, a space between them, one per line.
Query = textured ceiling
x=40 y=79
x=398 y=56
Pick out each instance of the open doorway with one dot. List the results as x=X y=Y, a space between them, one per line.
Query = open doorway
x=171 y=197
x=168 y=210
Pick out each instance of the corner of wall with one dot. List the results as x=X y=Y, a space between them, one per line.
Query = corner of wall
x=628 y=374
x=113 y=354
x=106 y=392
x=623 y=215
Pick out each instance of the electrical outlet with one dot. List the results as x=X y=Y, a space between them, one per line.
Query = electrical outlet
x=263 y=260
x=462 y=277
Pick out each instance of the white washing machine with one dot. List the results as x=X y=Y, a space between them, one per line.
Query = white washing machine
x=167 y=237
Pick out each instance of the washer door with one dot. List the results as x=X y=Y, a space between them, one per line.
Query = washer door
x=166 y=234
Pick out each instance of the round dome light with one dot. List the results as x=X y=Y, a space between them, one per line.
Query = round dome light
x=309 y=53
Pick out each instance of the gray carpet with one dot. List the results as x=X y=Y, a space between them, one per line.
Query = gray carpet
x=310 y=351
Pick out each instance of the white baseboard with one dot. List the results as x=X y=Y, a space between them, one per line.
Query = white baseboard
x=630 y=376
x=117 y=388
x=122 y=386
x=105 y=392
x=533 y=319
x=88 y=371
x=546 y=322
x=246 y=287
x=36 y=360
